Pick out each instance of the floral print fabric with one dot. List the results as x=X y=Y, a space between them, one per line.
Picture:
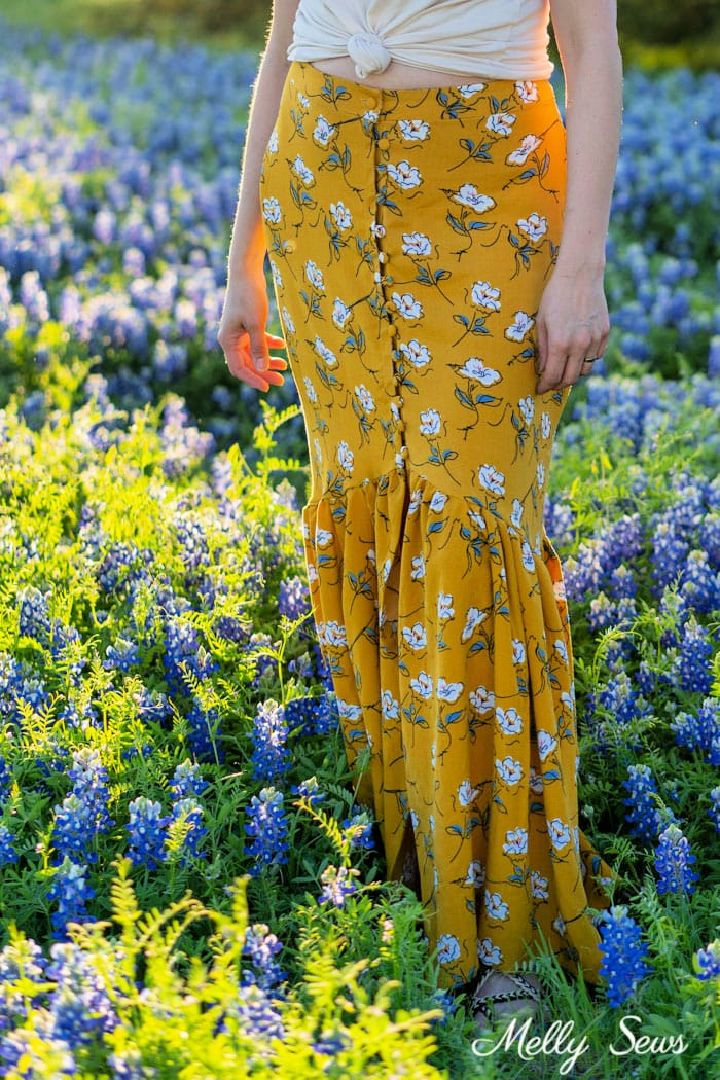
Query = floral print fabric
x=410 y=234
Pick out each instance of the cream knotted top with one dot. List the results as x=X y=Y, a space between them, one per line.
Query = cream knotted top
x=503 y=39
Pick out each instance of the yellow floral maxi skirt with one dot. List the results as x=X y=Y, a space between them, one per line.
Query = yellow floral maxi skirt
x=410 y=234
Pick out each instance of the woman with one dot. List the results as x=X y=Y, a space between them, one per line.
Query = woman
x=437 y=241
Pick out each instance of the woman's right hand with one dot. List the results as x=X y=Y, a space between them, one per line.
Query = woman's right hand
x=242 y=335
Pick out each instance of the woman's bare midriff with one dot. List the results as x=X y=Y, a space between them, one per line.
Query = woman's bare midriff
x=396 y=76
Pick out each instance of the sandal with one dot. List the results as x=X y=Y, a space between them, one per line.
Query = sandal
x=482 y=1003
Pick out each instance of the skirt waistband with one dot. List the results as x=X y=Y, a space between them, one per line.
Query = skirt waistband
x=337 y=88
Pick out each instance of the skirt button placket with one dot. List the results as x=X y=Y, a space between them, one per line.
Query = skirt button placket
x=383 y=279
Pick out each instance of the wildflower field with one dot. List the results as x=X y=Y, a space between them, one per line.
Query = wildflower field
x=187 y=885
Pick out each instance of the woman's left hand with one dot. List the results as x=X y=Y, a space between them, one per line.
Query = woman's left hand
x=572 y=323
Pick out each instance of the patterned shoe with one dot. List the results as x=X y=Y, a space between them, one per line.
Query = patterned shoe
x=484 y=1002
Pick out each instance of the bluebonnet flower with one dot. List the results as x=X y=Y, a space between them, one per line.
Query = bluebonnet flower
x=34 y=616
x=71 y=892
x=362 y=828
x=183 y=648
x=708 y=961
x=673 y=862
x=123 y=655
x=312 y=715
x=147 y=831
x=714 y=811
x=194 y=549
x=644 y=816
x=79 y=1004
x=260 y=948
x=294 y=599
x=22 y=959
x=267 y=826
x=153 y=705
x=668 y=556
x=695 y=655
x=699 y=732
x=73 y=830
x=624 y=954
x=700 y=584
x=189 y=810
x=309 y=789
x=204 y=732
x=187 y=780
x=5 y=780
x=270 y=756
x=7 y=852
x=338 y=884
x=230 y=628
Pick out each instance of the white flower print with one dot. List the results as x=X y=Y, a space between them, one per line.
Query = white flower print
x=538 y=886
x=518 y=508
x=415 y=353
x=367 y=401
x=327 y=354
x=521 y=324
x=527 y=91
x=475 y=369
x=334 y=635
x=287 y=321
x=471 y=89
x=509 y=770
x=390 y=705
x=272 y=211
x=492 y=479
x=516 y=841
x=312 y=396
x=485 y=296
x=422 y=686
x=546 y=743
x=559 y=833
x=415 y=636
x=509 y=721
x=445 y=609
x=448 y=949
x=404 y=174
x=437 y=502
x=314 y=275
x=489 y=953
x=474 y=617
x=345 y=456
x=430 y=422
x=416 y=243
x=468 y=195
x=500 y=123
x=448 y=691
x=341 y=215
x=475 y=876
x=407 y=306
x=528 y=557
x=535 y=226
x=303 y=173
x=495 y=906
x=467 y=793
x=545 y=425
x=560 y=647
x=524 y=150
x=341 y=313
x=482 y=700
x=414 y=130
x=324 y=131
x=526 y=407
x=519 y=652
x=418 y=567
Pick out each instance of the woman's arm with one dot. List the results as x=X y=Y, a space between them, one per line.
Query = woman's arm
x=241 y=334
x=247 y=244
x=573 y=321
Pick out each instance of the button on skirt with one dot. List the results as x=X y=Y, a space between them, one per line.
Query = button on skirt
x=410 y=235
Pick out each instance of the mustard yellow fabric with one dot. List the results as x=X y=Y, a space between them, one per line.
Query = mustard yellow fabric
x=410 y=235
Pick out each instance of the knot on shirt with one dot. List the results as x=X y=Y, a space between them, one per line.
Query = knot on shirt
x=369 y=53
